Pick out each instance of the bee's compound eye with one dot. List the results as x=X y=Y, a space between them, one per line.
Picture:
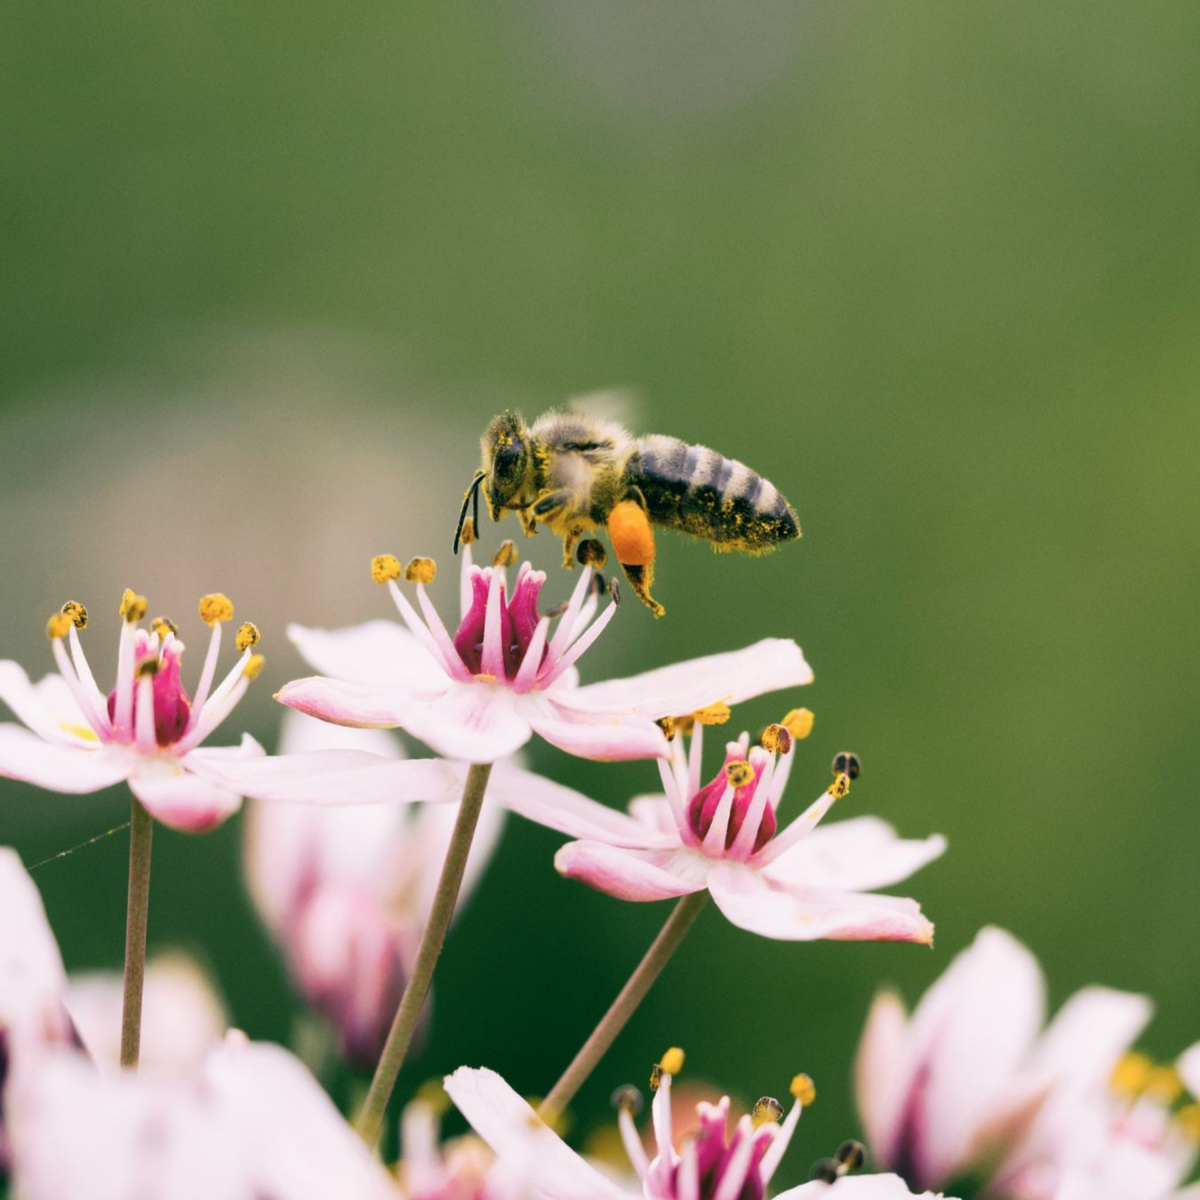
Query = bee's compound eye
x=846 y=762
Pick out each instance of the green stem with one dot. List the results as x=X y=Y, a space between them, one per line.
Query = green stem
x=141 y=837
x=370 y=1119
x=682 y=917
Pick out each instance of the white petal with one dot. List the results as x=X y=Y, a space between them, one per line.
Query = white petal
x=378 y=653
x=803 y=915
x=642 y=875
x=968 y=1037
x=609 y=739
x=356 y=705
x=878 y=1068
x=856 y=855
x=1189 y=1068
x=47 y=707
x=472 y=722
x=181 y=799
x=301 y=733
x=563 y=809
x=858 y=1187
x=58 y=767
x=536 y=1155
x=680 y=689
x=334 y=777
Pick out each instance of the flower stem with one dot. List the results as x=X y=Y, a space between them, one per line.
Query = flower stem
x=141 y=837
x=682 y=917
x=370 y=1119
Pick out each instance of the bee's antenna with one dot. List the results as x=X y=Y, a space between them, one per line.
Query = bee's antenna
x=472 y=494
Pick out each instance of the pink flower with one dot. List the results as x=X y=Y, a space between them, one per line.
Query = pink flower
x=482 y=692
x=147 y=730
x=346 y=892
x=251 y=1123
x=715 y=1164
x=972 y=1084
x=797 y=884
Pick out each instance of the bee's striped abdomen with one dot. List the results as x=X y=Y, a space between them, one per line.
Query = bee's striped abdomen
x=698 y=491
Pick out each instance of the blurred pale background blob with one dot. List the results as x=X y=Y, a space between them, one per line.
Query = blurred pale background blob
x=933 y=271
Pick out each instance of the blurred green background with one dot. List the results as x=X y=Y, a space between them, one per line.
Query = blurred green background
x=932 y=269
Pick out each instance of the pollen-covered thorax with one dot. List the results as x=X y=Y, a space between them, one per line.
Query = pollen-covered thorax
x=502 y=637
x=149 y=707
x=721 y=1160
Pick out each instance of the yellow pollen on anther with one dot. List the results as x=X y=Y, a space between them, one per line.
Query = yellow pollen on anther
x=777 y=739
x=714 y=714
x=672 y=1061
x=803 y=1089
x=385 y=567
x=766 y=1111
x=1131 y=1074
x=799 y=723
x=133 y=606
x=216 y=608
x=1164 y=1085
x=420 y=570
x=247 y=636
x=147 y=668
x=506 y=555
x=468 y=534
x=840 y=786
x=77 y=613
x=164 y=625
x=667 y=725
x=1188 y=1121
x=254 y=666
x=58 y=626
x=740 y=773
x=485 y=677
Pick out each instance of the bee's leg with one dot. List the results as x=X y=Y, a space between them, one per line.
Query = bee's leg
x=528 y=521
x=632 y=538
x=570 y=541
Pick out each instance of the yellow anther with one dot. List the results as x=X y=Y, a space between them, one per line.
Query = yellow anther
x=133 y=606
x=58 y=626
x=740 y=773
x=799 y=723
x=777 y=739
x=714 y=714
x=656 y=1077
x=672 y=1061
x=420 y=570
x=247 y=636
x=766 y=1111
x=164 y=625
x=216 y=608
x=77 y=613
x=1164 y=1085
x=385 y=567
x=667 y=725
x=505 y=556
x=254 y=666
x=1131 y=1074
x=840 y=786
x=1188 y=1121
x=147 y=668
x=685 y=725
x=468 y=534
x=804 y=1090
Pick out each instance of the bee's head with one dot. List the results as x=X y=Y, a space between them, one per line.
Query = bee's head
x=507 y=459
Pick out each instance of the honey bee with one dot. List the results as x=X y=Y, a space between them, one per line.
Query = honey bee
x=576 y=473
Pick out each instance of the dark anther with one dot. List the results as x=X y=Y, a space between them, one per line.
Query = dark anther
x=614 y=591
x=627 y=1099
x=556 y=611
x=852 y=1155
x=590 y=553
x=847 y=763
x=826 y=1170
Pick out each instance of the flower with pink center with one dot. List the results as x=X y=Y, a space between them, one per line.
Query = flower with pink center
x=972 y=1085
x=798 y=883
x=714 y=1163
x=502 y=676
x=346 y=892
x=147 y=730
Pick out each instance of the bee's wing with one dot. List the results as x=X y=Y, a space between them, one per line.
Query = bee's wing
x=621 y=405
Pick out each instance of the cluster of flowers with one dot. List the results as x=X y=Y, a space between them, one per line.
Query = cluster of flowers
x=358 y=885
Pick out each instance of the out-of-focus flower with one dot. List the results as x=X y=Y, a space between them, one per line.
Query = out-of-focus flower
x=798 y=884
x=182 y=1015
x=481 y=693
x=971 y=1084
x=251 y=1124
x=712 y=1164
x=346 y=892
x=147 y=730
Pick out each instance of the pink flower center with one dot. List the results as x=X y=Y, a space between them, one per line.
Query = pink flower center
x=704 y=804
x=715 y=1155
x=518 y=620
x=172 y=707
